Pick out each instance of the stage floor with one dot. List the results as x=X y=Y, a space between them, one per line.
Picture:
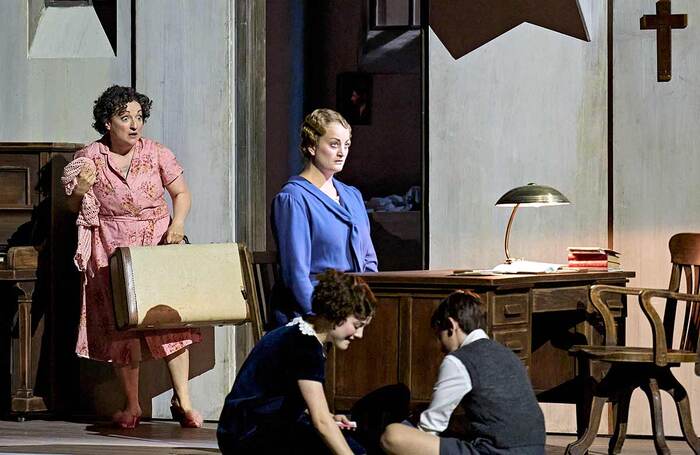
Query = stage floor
x=165 y=437
x=149 y=438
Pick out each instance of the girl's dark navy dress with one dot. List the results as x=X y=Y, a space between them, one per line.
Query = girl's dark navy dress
x=265 y=411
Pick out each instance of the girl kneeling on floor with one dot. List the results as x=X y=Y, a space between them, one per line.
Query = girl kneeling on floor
x=282 y=378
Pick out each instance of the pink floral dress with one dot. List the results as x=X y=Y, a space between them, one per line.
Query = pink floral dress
x=132 y=212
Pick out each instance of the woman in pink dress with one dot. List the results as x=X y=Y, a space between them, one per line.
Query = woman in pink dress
x=118 y=187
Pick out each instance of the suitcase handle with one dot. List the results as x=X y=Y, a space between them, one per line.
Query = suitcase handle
x=185 y=240
x=184 y=237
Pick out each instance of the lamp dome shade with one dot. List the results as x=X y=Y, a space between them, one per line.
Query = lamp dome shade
x=532 y=195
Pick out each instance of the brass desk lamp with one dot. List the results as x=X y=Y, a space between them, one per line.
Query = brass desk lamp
x=530 y=195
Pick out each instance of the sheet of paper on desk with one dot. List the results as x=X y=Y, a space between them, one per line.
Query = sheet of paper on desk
x=473 y=272
x=520 y=266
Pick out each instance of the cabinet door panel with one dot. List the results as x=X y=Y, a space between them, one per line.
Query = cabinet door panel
x=426 y=354
x=372 y=361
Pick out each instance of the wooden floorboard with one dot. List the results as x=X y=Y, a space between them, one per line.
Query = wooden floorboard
x=556 y=444
x=149 y=438
x=165 y=437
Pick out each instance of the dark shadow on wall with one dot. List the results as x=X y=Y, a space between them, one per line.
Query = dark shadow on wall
x=57 y=292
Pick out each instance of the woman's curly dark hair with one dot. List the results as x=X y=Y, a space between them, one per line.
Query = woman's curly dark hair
x=113 y=101
x=338 y=296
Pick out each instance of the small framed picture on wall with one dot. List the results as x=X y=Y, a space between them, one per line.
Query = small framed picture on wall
x=354 y=97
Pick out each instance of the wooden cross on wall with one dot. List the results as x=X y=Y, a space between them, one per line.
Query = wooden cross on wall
x=663 y=22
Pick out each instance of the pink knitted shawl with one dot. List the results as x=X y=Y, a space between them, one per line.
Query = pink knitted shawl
x=87 y=216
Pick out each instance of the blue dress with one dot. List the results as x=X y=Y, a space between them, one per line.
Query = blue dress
x=314 y=233
x=265 y=411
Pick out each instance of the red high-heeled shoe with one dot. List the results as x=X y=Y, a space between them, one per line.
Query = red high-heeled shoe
x=187 y=419
x=123 y=419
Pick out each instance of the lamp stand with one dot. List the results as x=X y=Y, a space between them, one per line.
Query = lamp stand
x=510 y=223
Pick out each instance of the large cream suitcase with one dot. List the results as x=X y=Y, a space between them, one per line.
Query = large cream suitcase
x=177 y=286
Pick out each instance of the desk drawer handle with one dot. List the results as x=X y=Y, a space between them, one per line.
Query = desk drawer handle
x=513 y=309
x=515 y=346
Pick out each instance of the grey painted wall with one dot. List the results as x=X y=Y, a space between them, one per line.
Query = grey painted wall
x=51 y=99
x=656 y=168
x=184 y=63
x=529 y=106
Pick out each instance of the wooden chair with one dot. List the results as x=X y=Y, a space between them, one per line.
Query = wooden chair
x=255 y=301
x=266 y=272
x=648 y=368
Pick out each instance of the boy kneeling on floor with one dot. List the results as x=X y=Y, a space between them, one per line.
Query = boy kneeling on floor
x=487 y=379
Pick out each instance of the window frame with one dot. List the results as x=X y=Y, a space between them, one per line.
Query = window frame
x=67 y=3
x=411 y=22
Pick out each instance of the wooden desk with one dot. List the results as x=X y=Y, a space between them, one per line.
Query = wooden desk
x=23 y=281
x=537 y=316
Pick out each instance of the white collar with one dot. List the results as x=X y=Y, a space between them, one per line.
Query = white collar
x=304 y=327
x=473 y=336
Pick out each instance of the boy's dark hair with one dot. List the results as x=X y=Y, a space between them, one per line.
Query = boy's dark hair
x=338 y=296
x=113 y=101
x=465 y=307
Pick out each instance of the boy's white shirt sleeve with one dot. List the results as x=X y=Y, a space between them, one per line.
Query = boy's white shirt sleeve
x=452 y=384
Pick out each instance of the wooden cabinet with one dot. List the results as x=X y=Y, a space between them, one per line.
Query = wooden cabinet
x=537 y=316
x=33 y=212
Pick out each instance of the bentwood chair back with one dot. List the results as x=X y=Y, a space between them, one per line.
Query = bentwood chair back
x=675 y=341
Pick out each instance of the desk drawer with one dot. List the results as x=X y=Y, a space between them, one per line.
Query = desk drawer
x=517 y=340
x=560 y=299
x=571 y=299
x=509 y=309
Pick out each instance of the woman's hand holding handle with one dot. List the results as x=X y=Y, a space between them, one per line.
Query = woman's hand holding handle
x=175 y=233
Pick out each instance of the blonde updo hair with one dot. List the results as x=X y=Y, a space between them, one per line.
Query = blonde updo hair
x=315 y=125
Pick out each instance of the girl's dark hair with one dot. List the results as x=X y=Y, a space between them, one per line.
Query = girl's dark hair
x=113 y=101
x=465 y=307
x=338 y=296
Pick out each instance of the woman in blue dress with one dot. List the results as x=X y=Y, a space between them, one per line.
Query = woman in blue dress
x=319 y=222
x=282 y=378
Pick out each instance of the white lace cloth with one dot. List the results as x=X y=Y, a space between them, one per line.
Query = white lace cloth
x=304 y=327
x=88 y=220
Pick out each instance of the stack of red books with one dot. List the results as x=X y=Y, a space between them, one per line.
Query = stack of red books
x=590 y=257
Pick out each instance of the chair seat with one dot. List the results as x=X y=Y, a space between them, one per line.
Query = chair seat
x=629 y=354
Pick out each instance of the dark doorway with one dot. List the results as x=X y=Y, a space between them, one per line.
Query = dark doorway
x=331 y=54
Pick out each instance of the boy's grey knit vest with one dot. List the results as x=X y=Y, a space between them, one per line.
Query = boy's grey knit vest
x=501 y=406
